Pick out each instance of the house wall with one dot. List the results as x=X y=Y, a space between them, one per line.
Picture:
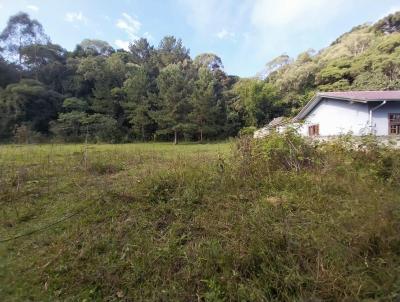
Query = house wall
x=380 y=117
x=337 y=117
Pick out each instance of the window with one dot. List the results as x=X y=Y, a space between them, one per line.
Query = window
x=394 y=123
x=313 y=130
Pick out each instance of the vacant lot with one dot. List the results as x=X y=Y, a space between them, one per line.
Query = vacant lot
x=238 y=221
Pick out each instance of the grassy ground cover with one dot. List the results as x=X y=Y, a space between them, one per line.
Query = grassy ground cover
x=278 y=219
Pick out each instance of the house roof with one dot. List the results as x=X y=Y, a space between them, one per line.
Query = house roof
x=364 y=95
x=350 y=96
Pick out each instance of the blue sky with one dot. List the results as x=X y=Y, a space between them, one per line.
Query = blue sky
x=245 y=34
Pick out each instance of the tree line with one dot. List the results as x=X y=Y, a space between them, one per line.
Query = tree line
x=101 y=94
x=98 y=93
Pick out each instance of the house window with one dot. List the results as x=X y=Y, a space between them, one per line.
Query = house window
x=394 y=123
x=313 y=130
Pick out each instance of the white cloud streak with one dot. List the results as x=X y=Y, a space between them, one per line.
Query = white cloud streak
x=75 y=17
x=32 y=7
x=122 y=44
x=225 y=34
x=130 y=25
x=300 y=13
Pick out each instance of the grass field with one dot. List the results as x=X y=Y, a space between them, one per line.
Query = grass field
x=212 y=222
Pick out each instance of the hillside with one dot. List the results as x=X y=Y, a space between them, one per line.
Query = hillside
x=365 y=58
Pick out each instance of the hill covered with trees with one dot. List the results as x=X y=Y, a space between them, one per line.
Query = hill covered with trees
x=365 y=58
x=98 y=93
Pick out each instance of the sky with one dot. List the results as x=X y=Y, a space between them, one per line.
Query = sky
x=246 y=34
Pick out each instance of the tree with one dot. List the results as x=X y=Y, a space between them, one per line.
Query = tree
x=204 y=103
x=174 y=86
x=20 y=32
x=390 y=24
x=172 y=51
x=274 y=65
x=75 y=104
x=141 y=51
x=208 y=60
x=70 y=126
x=8 y=73
x=137 y=103
x=103 y=75
x=46 y=63
x=30 y=102
x=93 y=47
x=258 y=101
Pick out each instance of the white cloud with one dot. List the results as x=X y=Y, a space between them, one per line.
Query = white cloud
x=122 y=44
x=302 y=13
x=207 y=15
x=130 y=25
x=74 y=17
x=224 y=34
x=32 y=7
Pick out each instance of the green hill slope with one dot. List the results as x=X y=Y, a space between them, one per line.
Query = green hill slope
x=365 y=58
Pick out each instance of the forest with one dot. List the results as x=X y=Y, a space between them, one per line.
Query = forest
x=160 y=93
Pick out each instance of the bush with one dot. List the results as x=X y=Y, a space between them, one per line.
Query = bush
x=247 y=131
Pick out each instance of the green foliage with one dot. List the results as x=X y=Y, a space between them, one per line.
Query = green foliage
x=175 y=107
x=74 y=104
x=389 y=24
x=258 y=101
x=247 y=131
x=205 y=108
x=30 y=102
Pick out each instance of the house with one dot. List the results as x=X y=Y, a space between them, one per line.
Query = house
x=355 y=112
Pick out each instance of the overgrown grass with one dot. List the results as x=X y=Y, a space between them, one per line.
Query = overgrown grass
x=278 y=219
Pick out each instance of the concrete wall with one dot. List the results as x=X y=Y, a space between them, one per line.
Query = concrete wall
x=380 y=117
x=337 y=117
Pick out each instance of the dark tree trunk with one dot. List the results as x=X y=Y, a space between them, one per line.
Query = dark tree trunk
x=175 y=137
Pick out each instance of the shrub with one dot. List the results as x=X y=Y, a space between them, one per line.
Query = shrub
x=247 y=131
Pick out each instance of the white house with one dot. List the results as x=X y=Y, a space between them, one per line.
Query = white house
x=355 y=112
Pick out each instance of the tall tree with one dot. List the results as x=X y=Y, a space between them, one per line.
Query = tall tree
x=30 y=102
x=172 y=51
x=141 y=51
x=20 y=32
x=174 y=89
x=204 y=103
x=208 y=60
x=137 y=103
x=93 y=47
